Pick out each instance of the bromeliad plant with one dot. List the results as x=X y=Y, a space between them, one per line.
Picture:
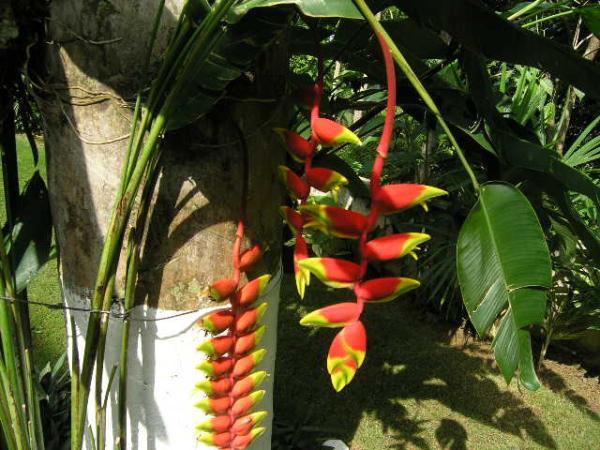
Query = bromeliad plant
x=348 y=349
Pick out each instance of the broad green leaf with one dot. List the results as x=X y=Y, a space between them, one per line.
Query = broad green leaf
x=591 y=17
x=227 y=56
x=32 y=233
x=313 y=8
x=504 y=268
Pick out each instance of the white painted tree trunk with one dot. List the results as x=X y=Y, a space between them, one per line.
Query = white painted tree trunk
x=94 y=54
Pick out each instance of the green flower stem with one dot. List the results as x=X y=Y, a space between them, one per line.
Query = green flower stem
x=414 y=80
x=131 y=278
x=553 y=16
x=100 y=352
x=129 y=157
x=133 y=256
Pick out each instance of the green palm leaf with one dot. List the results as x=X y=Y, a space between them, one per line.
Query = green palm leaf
x=504 y=270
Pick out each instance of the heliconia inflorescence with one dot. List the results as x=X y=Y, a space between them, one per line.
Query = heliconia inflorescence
x=348 y=349
x=231 y=390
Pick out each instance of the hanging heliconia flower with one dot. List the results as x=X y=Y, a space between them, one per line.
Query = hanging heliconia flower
x=348 y=349
x=232 y=388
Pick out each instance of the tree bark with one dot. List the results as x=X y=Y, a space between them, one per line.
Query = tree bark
x=94 y=56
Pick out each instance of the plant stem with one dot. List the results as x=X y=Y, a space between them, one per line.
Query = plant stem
x=131 y=278
x=104 y=321
x=5 y=413
x=524 y=10
x=74 y=384
x=18 y=427
x=544 y=19
x=7 y=336
x=133 y=256
x=414 y=80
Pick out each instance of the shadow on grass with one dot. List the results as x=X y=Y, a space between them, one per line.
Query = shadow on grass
x=557 y=383
x=406 y=361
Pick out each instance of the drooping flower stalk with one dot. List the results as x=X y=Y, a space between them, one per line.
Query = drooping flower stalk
x=348 y=349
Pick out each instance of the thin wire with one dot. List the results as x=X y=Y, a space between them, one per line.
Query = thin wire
x=126 y=315
x=122 y=315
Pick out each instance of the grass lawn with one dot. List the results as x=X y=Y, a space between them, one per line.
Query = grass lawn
x=415 y=390
x=48 y=325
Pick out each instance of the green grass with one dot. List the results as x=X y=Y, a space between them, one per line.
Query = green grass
x=415 y=390
x=47 y=325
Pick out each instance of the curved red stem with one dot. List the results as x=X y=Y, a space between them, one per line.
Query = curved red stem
x=382 y=151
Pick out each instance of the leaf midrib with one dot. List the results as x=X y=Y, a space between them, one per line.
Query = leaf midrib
x=493 y=240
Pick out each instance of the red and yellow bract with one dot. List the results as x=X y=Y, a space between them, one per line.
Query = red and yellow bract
x=394 y=198
x=334 y=272
x=222 y=289
x=331 y=134
x=336 y=221
x=394 y=246
x=298 y=147
x=334 y=316
x=296 y=186
x=384 y=289
x=302 y=275
x=346 y=354
x=293 y=218
x=325 y=180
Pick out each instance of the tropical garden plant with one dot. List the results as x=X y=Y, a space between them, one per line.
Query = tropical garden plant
x=521 y=209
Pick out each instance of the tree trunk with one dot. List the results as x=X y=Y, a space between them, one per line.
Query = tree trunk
x=94 y=58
